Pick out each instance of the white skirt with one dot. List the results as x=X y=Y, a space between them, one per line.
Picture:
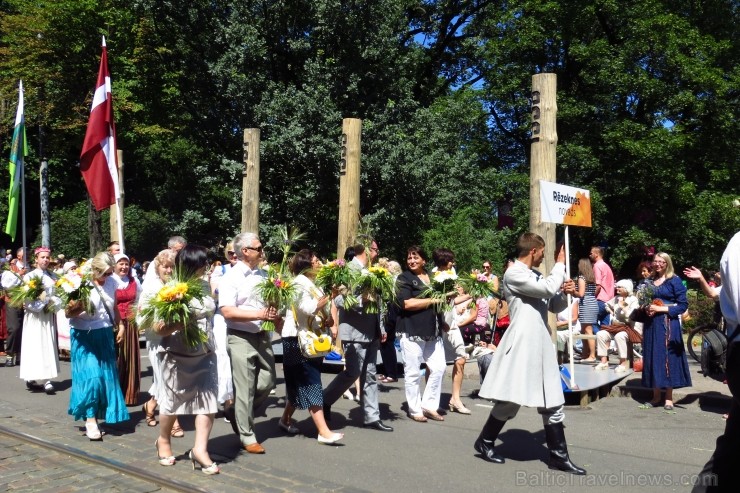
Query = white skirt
x=39 y=354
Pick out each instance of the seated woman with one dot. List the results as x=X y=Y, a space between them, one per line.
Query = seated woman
x=476 y=324
x=620 y=308
x=562 y=328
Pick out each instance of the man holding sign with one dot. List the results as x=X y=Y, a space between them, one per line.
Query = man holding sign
x=524 y=370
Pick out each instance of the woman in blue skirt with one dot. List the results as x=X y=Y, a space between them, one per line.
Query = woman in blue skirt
x=96 y=391
x=664 y=355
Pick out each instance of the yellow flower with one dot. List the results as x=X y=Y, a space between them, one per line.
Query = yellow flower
x=379 y=271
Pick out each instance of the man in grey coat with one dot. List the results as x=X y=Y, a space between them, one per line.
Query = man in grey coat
x=361 y=334
x=524 y=370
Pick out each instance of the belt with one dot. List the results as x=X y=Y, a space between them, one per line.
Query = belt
x=242 y=333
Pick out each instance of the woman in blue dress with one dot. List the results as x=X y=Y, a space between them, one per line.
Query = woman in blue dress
x=666 y=367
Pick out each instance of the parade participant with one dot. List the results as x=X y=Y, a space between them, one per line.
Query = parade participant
x=96 y=393
x=163 y=265
x=361 y=334
x=524 y=370
x=303 y=375
x=188 y=373
x=127 y=337
x=14 y=316
x=250 y=348
x=225 y=386
x=421 y=327
x=720 y=473
x=39 y=353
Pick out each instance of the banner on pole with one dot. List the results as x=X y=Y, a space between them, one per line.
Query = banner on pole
x=562 y=204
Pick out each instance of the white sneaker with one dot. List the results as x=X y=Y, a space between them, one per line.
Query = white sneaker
x=49 y=388
x=620 y=369
x=601 y=366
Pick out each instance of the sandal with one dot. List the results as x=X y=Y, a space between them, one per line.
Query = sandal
x=177 y=432
x=388 y=380
x=433 y=415
x=648 y=405
x=148 y=417
x=417 y=418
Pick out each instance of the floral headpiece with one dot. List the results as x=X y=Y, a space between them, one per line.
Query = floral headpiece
x=41 y=249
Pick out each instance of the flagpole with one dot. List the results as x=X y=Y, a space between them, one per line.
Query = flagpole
x=23 y=212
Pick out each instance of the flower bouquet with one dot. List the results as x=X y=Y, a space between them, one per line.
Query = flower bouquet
x=478 y=285
x=171 y=306
x=75 y=287
x=442 y=287
x=376 y=285
x=278 y=289
x=337 y=275
x=27 y=291
x=645 y=299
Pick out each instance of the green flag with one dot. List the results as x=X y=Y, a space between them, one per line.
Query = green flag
x=18 y=150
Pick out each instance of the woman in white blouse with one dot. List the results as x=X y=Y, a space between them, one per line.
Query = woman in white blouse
x=303 y=375
x=96 y=392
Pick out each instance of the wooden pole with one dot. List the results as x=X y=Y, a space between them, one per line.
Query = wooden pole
x=251 y=181
x=543 y=162
x=115 y=230
x=349 y=184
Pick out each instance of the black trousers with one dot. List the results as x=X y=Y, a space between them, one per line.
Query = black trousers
x=720 y=473
x=14 y=321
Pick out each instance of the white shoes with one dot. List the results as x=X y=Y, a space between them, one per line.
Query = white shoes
x=601 y=366
x=49 y=387
x=620 y=369
x=93 y=432
x=332 y=440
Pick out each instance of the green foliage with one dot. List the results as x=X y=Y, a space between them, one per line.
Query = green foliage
x=647 y=104
x=472 y=235
x=146 y=232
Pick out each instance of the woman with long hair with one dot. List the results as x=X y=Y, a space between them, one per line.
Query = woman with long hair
x=588 y=309
x=665 y=366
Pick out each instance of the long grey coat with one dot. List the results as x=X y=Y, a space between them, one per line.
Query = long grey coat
x=524 y=369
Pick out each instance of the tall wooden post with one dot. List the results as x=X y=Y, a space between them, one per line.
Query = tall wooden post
x=114 y=229
x=543 y=163
x=251 y=181
x=349 y=184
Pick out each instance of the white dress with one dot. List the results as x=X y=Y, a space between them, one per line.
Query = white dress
x=39 y=353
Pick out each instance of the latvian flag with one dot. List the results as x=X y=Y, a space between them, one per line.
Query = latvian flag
x=98 y=158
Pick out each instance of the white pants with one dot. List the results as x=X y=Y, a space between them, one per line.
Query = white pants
x=603 y=339
x=432 y=353
x=223 y=362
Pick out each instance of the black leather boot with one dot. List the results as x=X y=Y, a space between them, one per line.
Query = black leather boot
x=488 y=435
x=555 y=436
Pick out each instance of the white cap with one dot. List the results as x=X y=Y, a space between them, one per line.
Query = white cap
x=119 y=256
x=68 y=266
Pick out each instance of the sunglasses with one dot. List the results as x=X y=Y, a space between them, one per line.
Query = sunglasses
x=258 y=249
x=231 y=253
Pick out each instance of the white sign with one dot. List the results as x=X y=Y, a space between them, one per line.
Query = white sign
x=562 y=204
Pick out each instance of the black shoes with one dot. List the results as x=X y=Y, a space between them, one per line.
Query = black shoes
x=559 y=460
x=484 y=443
x=485 y=448
x=378 y=425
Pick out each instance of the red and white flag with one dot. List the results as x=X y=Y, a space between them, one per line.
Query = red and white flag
x=98 y=159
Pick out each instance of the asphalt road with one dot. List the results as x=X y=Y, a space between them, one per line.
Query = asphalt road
x=623 y=448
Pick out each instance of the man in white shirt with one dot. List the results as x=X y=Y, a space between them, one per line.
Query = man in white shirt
x=719 y=474
x=249 y=347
